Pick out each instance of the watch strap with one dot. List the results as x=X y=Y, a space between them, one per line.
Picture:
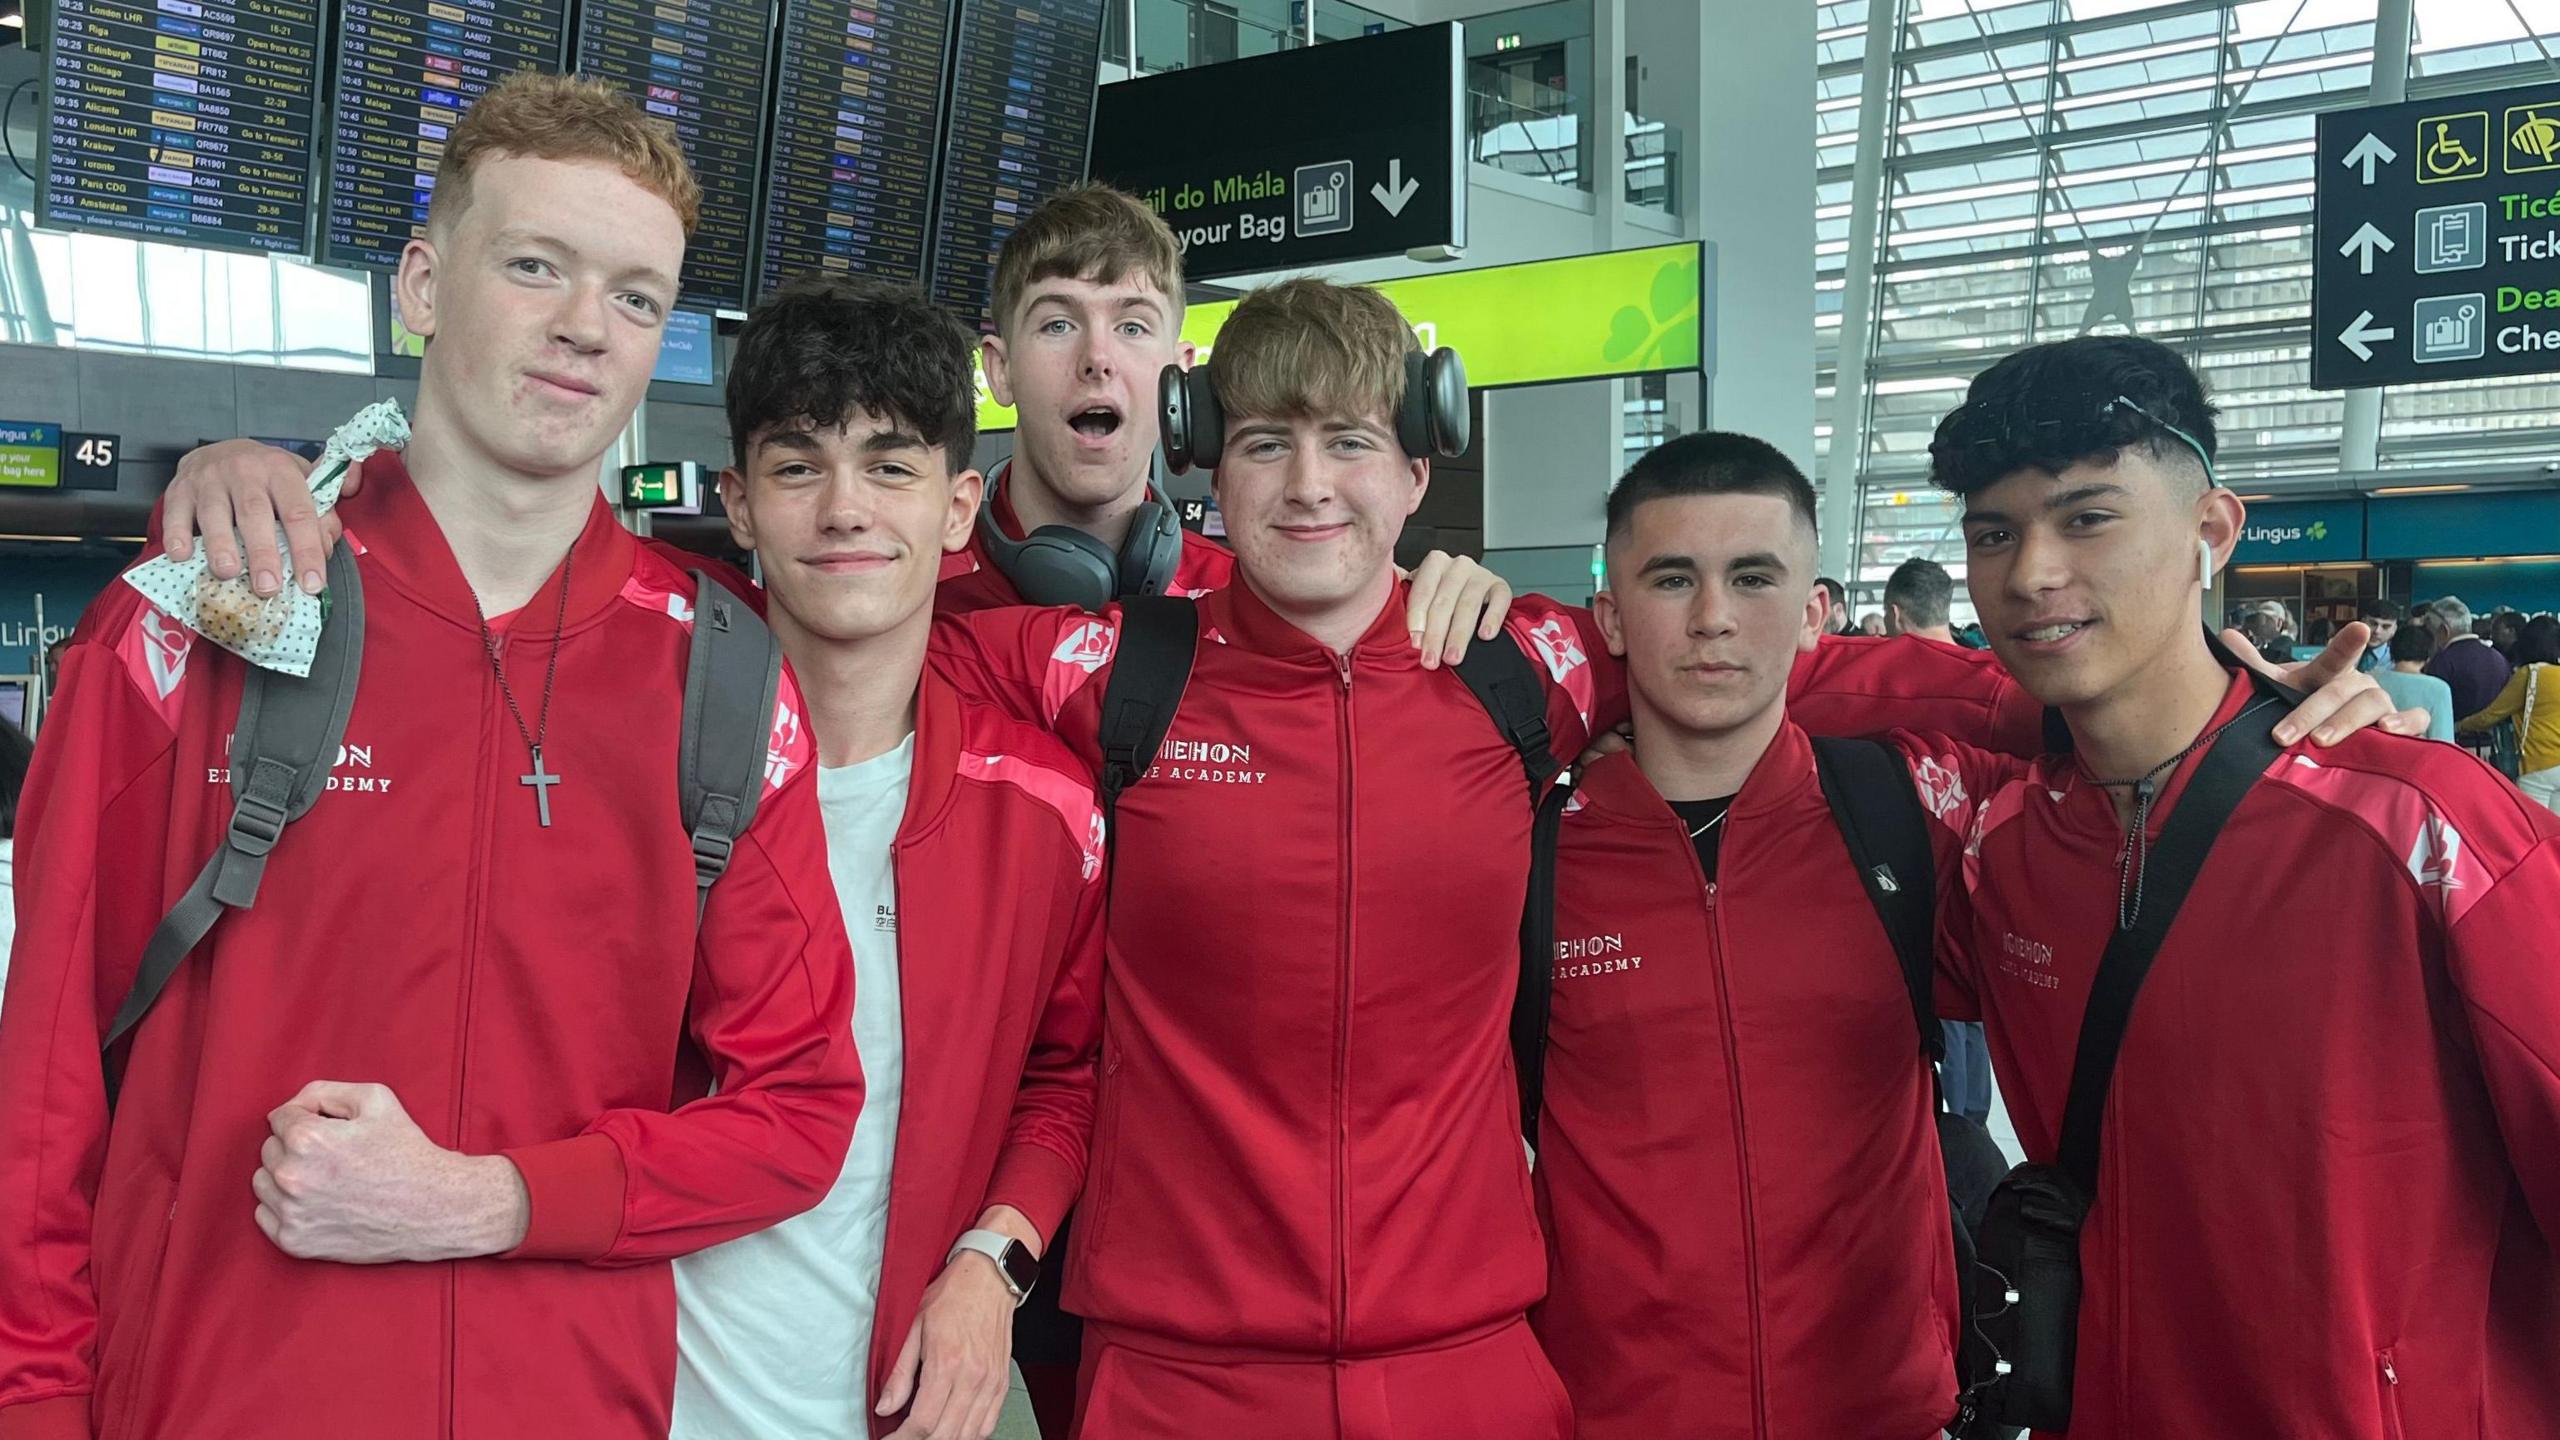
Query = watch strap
x=1013 y=1259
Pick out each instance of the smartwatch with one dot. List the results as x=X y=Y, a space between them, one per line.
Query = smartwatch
x=1013 y=1259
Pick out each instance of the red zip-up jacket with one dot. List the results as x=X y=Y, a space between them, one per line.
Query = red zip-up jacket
x=523 y=991
x=1738 y=1164
x=2329 y=1182
x=999 y=871
x=971 y=581
x=1856 y=684
x=1308 y=1138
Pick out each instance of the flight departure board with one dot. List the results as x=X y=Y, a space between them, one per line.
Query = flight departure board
x=1021 y=117
x=185 y=120
x=860 y=96
x=699 y=64
x=407 y=69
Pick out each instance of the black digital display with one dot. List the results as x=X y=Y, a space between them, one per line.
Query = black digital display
x=851 y=181
x=407 y=69
x=1021 y=115
x=699 y=64
x=184 y=120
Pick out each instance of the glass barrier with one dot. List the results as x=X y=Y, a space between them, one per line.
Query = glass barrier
x=1653 y=164
x=1524 y=127
x=1179 y=34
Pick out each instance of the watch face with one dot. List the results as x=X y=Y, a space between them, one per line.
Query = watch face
x=1020 y=1268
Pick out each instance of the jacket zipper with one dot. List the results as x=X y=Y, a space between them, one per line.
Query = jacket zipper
x=1342 y=1036
x=475 y=920
x=2391 y=1426
x=906 y=1043
x=1741 y=1139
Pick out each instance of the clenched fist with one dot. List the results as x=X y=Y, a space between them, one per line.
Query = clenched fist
x=346 y=1175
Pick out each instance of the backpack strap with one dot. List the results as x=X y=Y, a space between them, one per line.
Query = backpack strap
x=732 y=679
x=282 y=749
x=1531 y=1001
x=1877 y=808
x=1513 y=691
x=1150 y=668
x=1510 y=687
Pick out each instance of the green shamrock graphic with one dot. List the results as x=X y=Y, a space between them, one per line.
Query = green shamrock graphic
x=1671 y=328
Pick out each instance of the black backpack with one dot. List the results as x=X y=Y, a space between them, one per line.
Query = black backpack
x=287 y=738
x=1873 y=801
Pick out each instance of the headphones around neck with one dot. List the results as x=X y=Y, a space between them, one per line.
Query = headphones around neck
x=1431 y=421
x=1061 y=565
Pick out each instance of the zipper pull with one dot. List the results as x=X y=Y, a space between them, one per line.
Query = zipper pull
x=1342 y=667
x=2389 y=1372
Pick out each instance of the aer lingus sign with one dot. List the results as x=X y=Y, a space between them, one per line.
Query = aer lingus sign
x=1584 y=317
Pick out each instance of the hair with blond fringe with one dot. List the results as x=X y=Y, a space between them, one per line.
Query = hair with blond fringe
x=563 y=117
x=1087 y=232
x=1307 y=348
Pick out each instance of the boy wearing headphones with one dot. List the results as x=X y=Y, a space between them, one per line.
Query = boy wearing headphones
x=1308 y=1211
x=1088 y=311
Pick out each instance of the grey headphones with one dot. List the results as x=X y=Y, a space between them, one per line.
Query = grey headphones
x=1061 y=565
x=1431 y=421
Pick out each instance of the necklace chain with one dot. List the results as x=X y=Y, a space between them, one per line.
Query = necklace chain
x=534 y=734
x=2133 y=860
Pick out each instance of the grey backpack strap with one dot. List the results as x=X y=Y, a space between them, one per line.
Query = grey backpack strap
x=281 y=752
x=730 y=685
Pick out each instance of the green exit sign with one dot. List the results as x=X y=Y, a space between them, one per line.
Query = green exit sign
x=663 y=485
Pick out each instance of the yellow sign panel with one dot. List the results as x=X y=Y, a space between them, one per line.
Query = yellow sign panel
x=2453 y=147
x=2533 y=138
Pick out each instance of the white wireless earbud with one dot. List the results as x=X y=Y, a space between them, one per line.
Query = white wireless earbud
x=2204 y=563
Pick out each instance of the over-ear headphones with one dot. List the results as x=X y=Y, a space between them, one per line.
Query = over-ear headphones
x=1061 y=565
x=1431 y=421
x=2204 y=563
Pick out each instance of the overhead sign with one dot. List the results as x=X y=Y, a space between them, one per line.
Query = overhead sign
x=1582 y=317
x=2302 y=531
x=1344 y=151
x=30 y=454
x=90 y=460
x=2437 y=240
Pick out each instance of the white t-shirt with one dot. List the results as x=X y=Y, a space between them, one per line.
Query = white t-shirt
x=773 y=1330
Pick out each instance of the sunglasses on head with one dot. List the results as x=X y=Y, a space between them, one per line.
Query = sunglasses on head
x=2007 y=431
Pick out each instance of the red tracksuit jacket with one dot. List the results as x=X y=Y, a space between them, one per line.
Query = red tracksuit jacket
x=971 y=581
x=2330 y=1178
x=999 y=869
x=1862 y=684
x=524 y=991
x=1308 y=1140
x=1747 y=1218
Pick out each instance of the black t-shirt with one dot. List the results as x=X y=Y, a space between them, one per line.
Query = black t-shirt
x=1704 y=820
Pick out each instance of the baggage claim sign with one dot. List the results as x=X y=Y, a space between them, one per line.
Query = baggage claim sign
x=2438 y=240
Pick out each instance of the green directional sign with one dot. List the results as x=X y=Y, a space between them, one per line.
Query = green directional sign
x=1583 y=317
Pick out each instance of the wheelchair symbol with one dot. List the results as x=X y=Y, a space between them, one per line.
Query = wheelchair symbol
x=2453 y=147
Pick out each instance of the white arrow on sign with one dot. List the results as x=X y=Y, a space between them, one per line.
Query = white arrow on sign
x=2363 y=243
x=1398 y=191
x=2369 y=150
x=2361 y=330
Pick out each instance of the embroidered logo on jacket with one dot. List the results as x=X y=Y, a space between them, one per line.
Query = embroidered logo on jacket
x=2027 y=960
x=1594 y=955
x=351 y=771
x=1214 y=762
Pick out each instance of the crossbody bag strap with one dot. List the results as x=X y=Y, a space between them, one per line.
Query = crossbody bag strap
x=2241 y=754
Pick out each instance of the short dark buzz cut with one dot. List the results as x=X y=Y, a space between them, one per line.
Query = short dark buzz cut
x=1922 y=590
x=1711 y=462
x=2084 y=400
x=824 y=348
x=2377 y=608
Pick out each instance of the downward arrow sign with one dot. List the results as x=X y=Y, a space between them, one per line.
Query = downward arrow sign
x=2362 y=329
x=2369 y=150
x=2362 y=245
x=1398 y=191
